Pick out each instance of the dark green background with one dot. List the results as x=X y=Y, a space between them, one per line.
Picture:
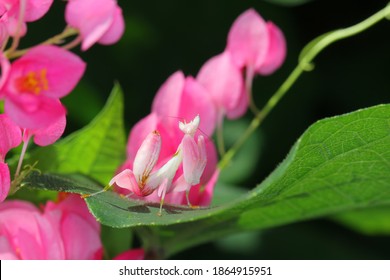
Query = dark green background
x=164 y=36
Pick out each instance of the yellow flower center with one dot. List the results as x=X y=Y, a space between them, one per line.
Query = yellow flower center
x=34 y=82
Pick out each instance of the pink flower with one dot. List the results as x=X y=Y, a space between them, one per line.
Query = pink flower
x=256 y=44
x=99 y=21
x=33 y=84
x=64 y=230
x=48 y=135
x=253 y=44
x=10 y=137
x=10 y=13
x=3 y=24
x=225 y=84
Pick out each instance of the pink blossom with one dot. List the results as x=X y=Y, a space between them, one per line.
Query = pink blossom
x=256 y=44
x=276 y=50
x=3 y=24
x=64 y=230
x=5 y=180
x=225 y=84
x=33 y=84
x=10 y=137
x=48 y=135
x=10 y=11
x=98 y=21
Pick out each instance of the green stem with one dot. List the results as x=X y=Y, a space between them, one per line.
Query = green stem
x=22 y=154
x=250 y=74
x=55 y=40
x=325 y=41
x=305 y=64
x=220 y=139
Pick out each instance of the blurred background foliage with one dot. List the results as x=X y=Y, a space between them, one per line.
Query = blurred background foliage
x=164 y=36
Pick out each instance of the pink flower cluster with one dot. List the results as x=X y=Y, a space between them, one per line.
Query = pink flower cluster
x=60 y=231
x=178 y=155
x=253 y=47
x=29 y=233
x=16 y=13
x=97 y=21
x=31 y=88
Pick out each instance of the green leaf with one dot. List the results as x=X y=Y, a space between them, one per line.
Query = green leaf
x=338 y=164
x=96 y=150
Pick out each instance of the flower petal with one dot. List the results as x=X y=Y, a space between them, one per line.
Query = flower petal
x=6 y=251
x=5 y=181
x=13 y=29
x=49 y=135
x=81 y=241
x=18 y=223
x=276 y=51
x=10 y=135
x=75 y=204
x=54 y=70
x=212 y=161
x=115 y=31
x=241 y=106
x=34 y=112
x=93 y=18
x=29 y=245
x=223 y=80
x=35 y=9
x=166 y=103
x=5 y=69
x=196 y=100
x=49 y=237
x=248 y=39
